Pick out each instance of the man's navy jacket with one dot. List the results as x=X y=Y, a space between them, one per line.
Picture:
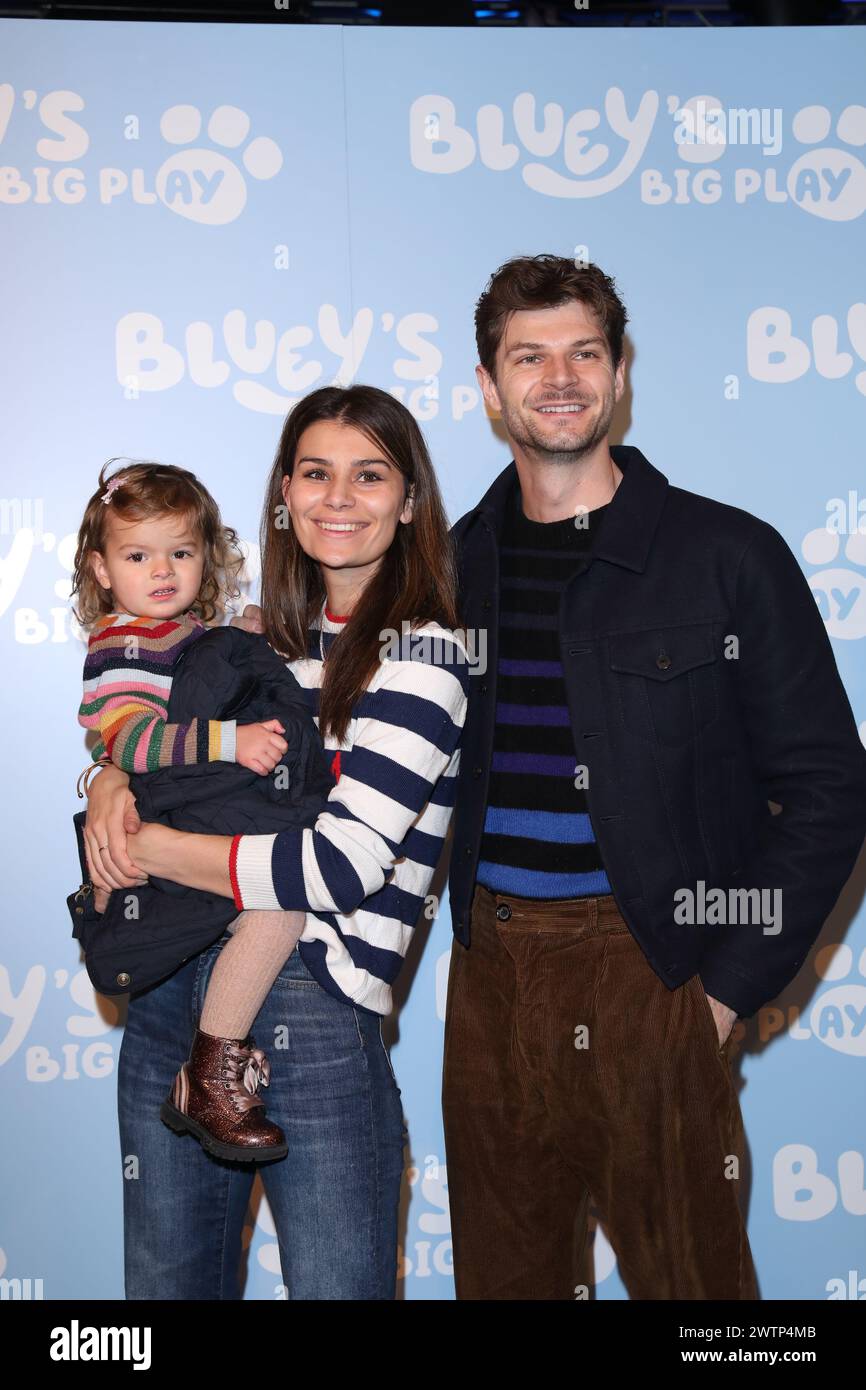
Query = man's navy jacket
x=686 y=733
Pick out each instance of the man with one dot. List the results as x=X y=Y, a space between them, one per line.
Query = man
x=657 y=674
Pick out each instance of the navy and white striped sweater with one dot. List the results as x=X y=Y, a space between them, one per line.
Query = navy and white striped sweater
x=361 y=873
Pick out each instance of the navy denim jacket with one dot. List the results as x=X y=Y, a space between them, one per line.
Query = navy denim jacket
x=701 y=685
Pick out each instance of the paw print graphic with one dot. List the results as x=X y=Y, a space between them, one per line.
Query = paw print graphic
x=840 y=593
x=206 y=185
x=829 y=182
x=838 y=1015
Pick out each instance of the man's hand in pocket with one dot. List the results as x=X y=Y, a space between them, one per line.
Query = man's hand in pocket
x=725 y=1018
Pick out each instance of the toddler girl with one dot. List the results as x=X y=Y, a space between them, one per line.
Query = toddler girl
x=153 y=564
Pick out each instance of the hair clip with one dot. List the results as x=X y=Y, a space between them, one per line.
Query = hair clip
x=115 y=483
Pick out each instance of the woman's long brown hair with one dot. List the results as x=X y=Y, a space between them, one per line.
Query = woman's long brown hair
x=416 y=580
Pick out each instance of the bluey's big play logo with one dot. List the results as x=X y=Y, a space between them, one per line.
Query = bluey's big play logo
x=779 y=353
x=838 y=580
x=204 y=184
x=836 y=1016
x=598 y=151
x=200 y=170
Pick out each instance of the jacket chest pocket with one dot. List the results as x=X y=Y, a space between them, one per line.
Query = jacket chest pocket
x=666 y=681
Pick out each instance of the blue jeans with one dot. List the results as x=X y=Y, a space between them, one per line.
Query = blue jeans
x=334 y=1198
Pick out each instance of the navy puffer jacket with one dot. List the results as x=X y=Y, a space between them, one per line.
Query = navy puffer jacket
x=147 y=932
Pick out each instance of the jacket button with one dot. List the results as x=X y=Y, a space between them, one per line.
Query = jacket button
x=503 y=912
x=484 y=690
x=122 y=978
x=476 y=771
x=487 y=603
x=663 y=661
x=467 y=851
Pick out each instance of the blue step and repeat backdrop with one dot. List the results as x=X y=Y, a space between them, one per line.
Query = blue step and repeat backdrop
x=202 y=223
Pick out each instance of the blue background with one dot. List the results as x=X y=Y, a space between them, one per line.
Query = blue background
x=350 y=230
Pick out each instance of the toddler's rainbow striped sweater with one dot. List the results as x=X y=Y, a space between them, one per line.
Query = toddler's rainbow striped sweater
x=128 y=673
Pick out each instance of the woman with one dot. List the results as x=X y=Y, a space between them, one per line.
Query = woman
x=355 y=543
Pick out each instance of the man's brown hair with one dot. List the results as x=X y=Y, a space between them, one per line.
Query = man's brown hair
x=544 y=282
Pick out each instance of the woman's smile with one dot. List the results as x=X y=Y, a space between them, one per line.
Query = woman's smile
x=341 y=528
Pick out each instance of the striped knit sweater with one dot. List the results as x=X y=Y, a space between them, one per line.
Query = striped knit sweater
x=127 y=682
x=538 y=841
x=361 y=873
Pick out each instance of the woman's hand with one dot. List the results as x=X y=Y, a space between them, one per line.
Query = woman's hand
x=194 y=860
x=188 y=857
x=251 y=620
x=111 y=815
x=152 y=844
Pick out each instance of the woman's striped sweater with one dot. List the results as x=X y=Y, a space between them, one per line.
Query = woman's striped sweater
x=128 y=672
x=361 y=873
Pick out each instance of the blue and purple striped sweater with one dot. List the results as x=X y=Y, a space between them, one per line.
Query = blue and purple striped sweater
x=538 y=841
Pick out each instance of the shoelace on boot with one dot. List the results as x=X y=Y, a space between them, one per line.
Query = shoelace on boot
x=248 y=1066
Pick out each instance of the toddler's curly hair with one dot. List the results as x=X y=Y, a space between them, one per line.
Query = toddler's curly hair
x=141 y=490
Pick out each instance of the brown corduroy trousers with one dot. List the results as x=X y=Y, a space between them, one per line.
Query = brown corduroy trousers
x=572 y=1072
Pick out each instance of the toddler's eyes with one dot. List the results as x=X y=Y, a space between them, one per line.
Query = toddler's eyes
x=139 y=554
